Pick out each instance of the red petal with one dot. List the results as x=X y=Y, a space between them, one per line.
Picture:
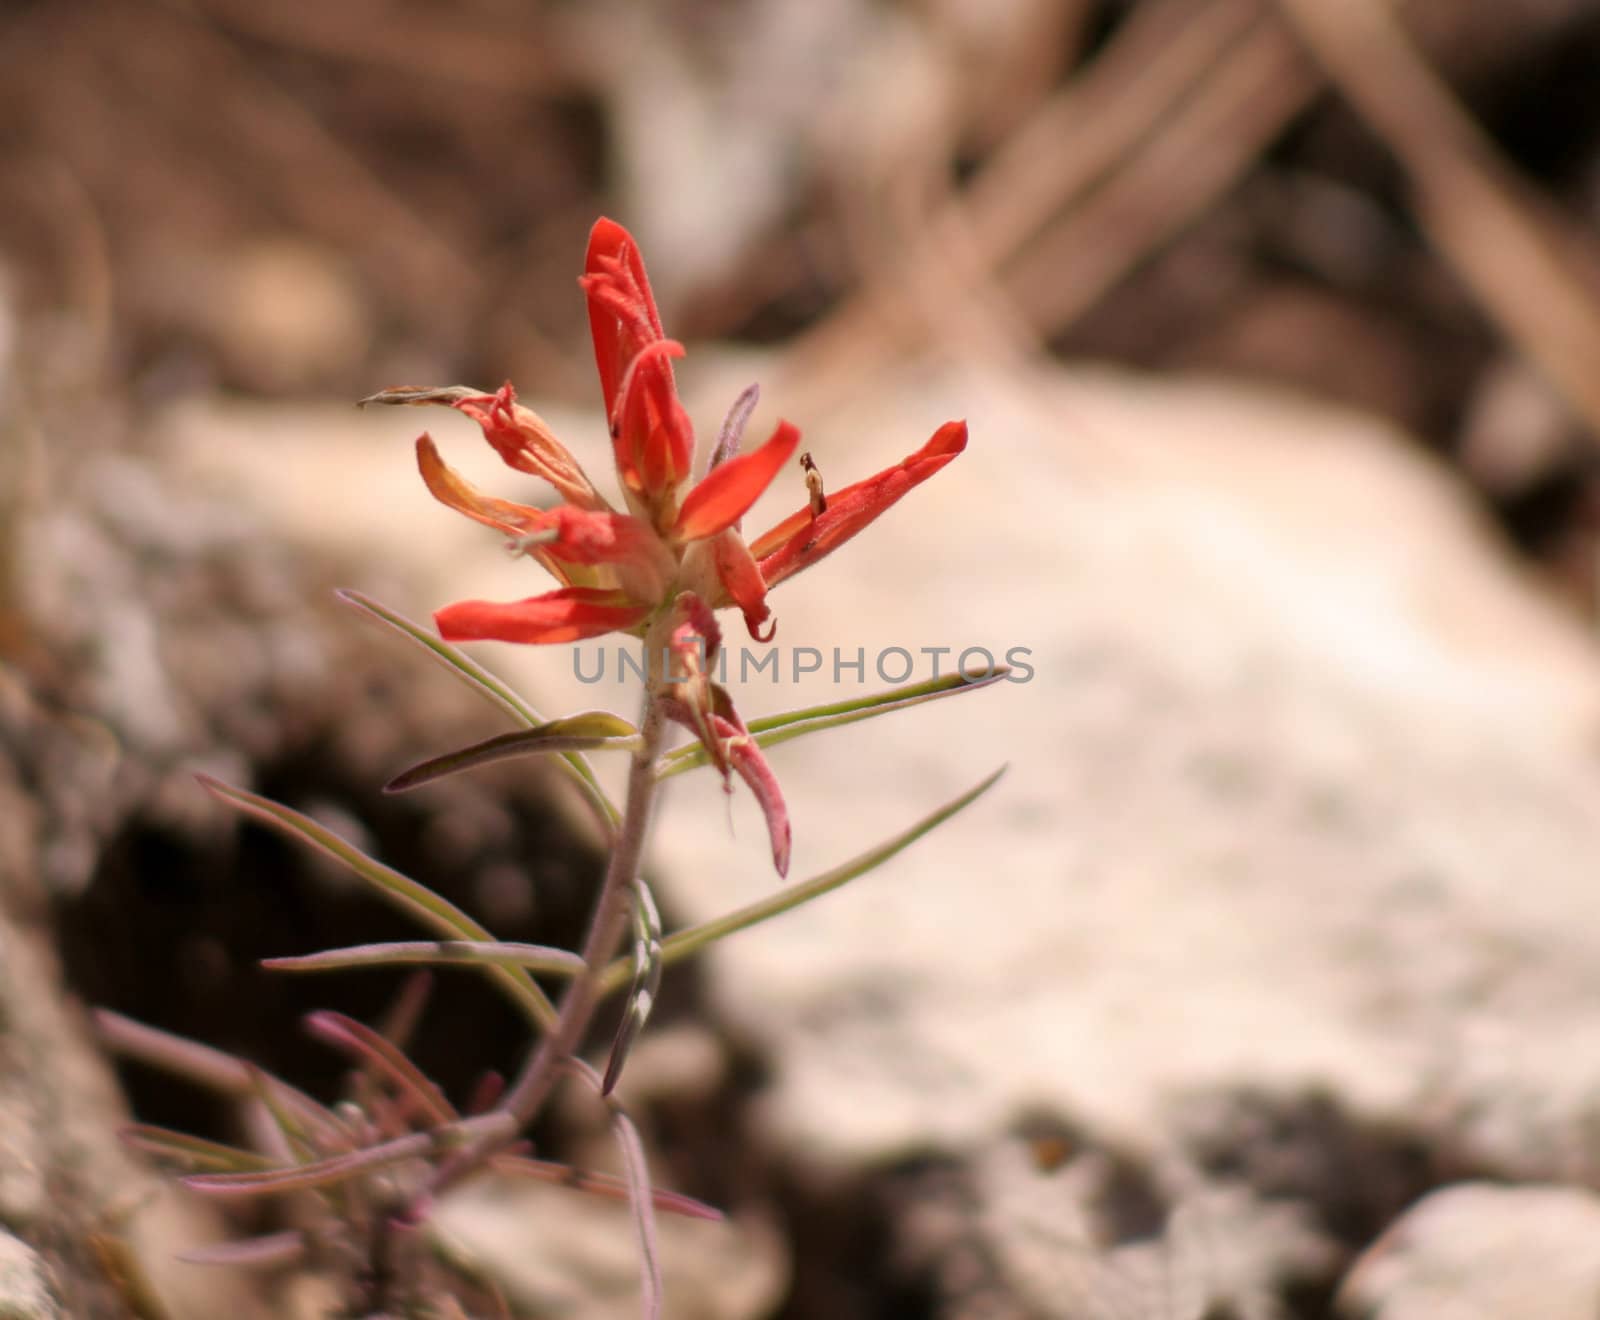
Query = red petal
x=606 y=538
x=568 y=615
x=726 y=493
x=651 y=433
x=654 y=441
x=730 y=746
x=751 y=766
x=622 y=312
x=741 y=579
x=803 y=538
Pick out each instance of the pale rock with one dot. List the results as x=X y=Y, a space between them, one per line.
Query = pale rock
x=555 y=1251
x=25 y=1292
x=1303 y=791
x=1481 y=1251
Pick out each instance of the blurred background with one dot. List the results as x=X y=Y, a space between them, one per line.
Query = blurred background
x=1374 y=223
x=302 y=199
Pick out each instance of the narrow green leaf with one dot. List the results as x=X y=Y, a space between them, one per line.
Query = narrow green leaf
x=636 y=1173
x=487 y=685
x=203 y=1065
x=270 y=1251
x=641 y=1199
x=462 y=665
x=927 y=690
x=774 y=729
x=301 y=1139
x=603 y=1185
x=382 y=1056
x=193 y=1154
x=434 y=953
x=594 y=731
x=400 y=1021
x=317 y=1173
x=341 y=1168
x=592 y=724
x=401 y=890
x=685 y=943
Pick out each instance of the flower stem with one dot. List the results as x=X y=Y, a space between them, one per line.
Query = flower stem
x=607 y=926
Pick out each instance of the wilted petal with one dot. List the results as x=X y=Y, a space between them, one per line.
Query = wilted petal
x=450 y=488
x=803 y=538
x=567 y=615
x=728 y=490
x=519 y=434
x=524 y=441
x=561 y=536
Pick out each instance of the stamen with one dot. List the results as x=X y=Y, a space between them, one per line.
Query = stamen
x=732 y=432
x=819 y=501
x=518 y=546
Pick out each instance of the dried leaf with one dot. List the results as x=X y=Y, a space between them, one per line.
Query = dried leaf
x=646 y=982
x=592 y=731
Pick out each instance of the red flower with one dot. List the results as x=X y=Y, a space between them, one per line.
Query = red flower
x=678 y=547
x=618 y=570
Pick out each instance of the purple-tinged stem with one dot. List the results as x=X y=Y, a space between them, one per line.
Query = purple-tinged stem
x=607 y=927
